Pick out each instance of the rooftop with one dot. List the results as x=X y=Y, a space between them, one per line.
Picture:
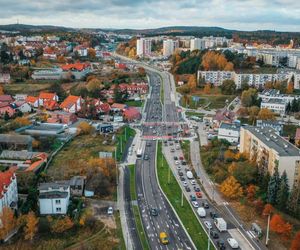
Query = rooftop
x=269 y=137
x=53 y=195
x=274 y=100
x=53 y=185
x=230 y=126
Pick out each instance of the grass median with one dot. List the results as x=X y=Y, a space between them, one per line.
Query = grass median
x=173 y=191
x=136 y=212
x=123 y=136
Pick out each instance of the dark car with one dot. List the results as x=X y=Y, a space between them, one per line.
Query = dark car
x=221 y=245
x=193 y=197
x=213 y=215
x=183 y=163
x=182 y=178
x=175 y=158
x=187 y=189
x=180 y=173
x=196 y=189
x=205 y=205
x=146 y=157
x=153 y=212
x=214 y=234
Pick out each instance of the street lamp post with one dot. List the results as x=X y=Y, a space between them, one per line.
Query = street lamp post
x=268 y=229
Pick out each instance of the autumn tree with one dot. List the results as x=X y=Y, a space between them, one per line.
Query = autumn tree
x=280 y=226
x=61 y=59
x=61 y=225
x=251 y=192
x=229 y=155
x=212 y=60
x=290 y=88
x=31 y=226
x=268 y=210
x=228 y=87
x=266 y=114
x=8 y=222
x=268 y=85
x=94 y=85
x=249 y=97
x=132 y=53
x=85 y=128
x=253 y=113
x=231 y=188
x=91 y=53
x=22 y=121
x=207 y=88
x=296 y=242
x=192 y=83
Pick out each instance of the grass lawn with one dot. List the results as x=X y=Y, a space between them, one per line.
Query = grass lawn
x=289 y=130
x=122 y=137
x=137 y=216
x=189 y=114
x=74 y=156
x=25 y=88
x=185 y=146
x=134 y=103
x=173 y=192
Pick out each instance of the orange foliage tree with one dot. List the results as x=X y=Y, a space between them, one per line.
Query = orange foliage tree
x=105 y=165
x=192 y=83
x=207 y=88
x=8 y=222
x=290 y=88
x=280 y=226
x=296 y=242
x=268 y=209
x=266 y=114
x=251 y=192
x=31 y=226
x=60 y=225
x=215 y=61
x=85 y=128
x=231 y=188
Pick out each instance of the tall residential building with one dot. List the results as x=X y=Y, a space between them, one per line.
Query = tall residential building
x=269 y=149
x=169 y=47
x=143 y=47
x=8 y=189
x=197 y=43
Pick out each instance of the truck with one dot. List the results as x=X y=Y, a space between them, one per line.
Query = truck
x=201 y=212
x=220 y=224
x=189 y=175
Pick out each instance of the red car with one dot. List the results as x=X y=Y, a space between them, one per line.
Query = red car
x=198 y=194
x=181 y=158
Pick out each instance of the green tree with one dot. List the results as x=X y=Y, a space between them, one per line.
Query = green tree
x=249 y=97
x=228 y=87
x=118 y=96
x=283 y=192
x=245 y=173
x=273 y=187
x=6 y=116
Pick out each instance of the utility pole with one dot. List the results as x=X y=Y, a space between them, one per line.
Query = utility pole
x=268 y=229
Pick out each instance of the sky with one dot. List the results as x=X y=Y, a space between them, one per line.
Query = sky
x=281 y=15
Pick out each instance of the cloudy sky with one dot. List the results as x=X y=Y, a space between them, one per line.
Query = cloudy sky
x=233 y=14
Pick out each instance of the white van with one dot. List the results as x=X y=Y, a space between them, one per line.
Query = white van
x=233 y=243
x=201 y=212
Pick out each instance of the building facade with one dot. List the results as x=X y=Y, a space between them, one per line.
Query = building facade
x=229 y=132
x=143 y=47
x=169 y=47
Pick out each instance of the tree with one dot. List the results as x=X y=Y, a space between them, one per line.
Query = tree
x=212 y=60
x=273 y=187
x=251 y=192
x=228 y=87
x=132 y=53
x=253 y=113
x=85 y=128
x=207 y=88
x=6 y=116
x=268 y=209
x=296 y=242
x=283 y=192
x=1 y=90
x=231 y=188
x=118 y=96
x=278 y=225
x=249 y=97
x=269 y=85
x=245 y=173
x=290 y=88
x=31 y=226
x=91 y=53
x=61 y=225
x=192 y=83
x=22 y=121
x=94 y=85
x=8 y=222
x=266 y=114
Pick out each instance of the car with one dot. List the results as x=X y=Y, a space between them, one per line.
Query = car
x=148 y=144
x=233 y=243
x=198 y=194
x=153 y=212
x=178 y=167
x=214 y=234
x=177 y=162
x=110 y=211
x=193 y=197
x=177 y=147
x=221 y=245
x=180 y=173
x=186 y=169
x=213 y=215
x=182 y=178
x=193 y=182
x=184 y=184
x=163 y=237
x=172 y=150
x=183 y=163
x=196 y=189
x=195 y=204
x=187 y=189
x=171 y=143
x=205 y=205
x=181 y=158
x=208 y=224
x=146 y=157
x=175 y=158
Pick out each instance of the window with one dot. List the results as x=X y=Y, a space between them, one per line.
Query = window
x=57 y=201
x=58 y=209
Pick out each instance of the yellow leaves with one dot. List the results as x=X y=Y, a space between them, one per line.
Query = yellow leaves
x=207 y=88
x=85 y=128
x=31 y=226
x=94 y=84
x=22 y=121
x=192 y=83
x=8 y=222
x=231 y=188
x=132 y=53
x=61 y=225
x=215 y=61
x=266 y=114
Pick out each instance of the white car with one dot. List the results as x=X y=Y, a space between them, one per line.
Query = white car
x=193 y=182
x=176 y=162
x=233 y=243
x=110 y=211
x=178 y=167
x=177 y=147
x=184 y=183
x=195 y=204
x=208 y=224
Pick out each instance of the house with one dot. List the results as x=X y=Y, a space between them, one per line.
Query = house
x=77 y=185
x=15 y=141
x=229 y=132
x=223 y=115
x=72 y=104
x=4 y=77
x=6 y=99
x=33 y=101
x=104 y=108
x=45 y=98
x=8 y=189
x=20 y=97
x=54 y=198
x=24 y=107
x=118 y=107
x=131 y=114
x=51 y=105
x=62 y=117
x=6 y=108
x=277 y=106
x=76 y=70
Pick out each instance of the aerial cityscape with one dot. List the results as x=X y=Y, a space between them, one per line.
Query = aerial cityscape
x=150 y=125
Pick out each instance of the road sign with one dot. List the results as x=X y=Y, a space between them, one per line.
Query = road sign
x=103 y=154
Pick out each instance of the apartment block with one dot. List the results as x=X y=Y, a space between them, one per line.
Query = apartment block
x=169 y=47
x=269 y=149
x=143 y=47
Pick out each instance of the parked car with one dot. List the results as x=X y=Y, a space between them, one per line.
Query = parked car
x=198 y=194
x=184 y=184
x=193 y=197
x=205 y=205
x=176 y=162
x=187 y=189
x=175 y=158
x=196 y=189
x=214 y=234
x=153 y=212
x=182 y=178
x=146 y=157
x=193 y=182
x=183 y=163
x=213 y=215
x=221 y=245
x=110 y=211
x=233 y=243
x=195 y=204
x=201 y=212
x=208 y=224
x=180 y=173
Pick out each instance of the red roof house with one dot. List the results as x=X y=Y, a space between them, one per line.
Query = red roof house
x=131 y=114
x=6 y=98
x=6 y=108
x=72 y=104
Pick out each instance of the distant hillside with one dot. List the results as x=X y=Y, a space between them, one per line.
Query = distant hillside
x=33 y=28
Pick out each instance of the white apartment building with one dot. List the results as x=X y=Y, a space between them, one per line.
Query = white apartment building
x=169 y=47
x=8 y=189
x=54 y=198
x=229 y=132
x=256 y=80
x=269 y=150
x=143 y=47
x=272 y=94
x=47 y=74
x=269 y=58
x=197 y=43
x=278 y=106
